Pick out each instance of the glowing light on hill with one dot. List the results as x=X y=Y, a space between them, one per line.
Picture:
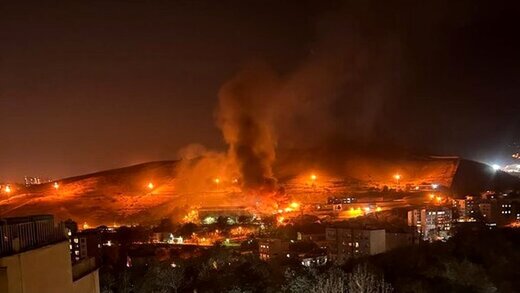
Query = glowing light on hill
x=7 y=189
x=294 y=205
x=56 y=185
x=314 y=177
x=150 y=186
x=217 y=180
x=496 y=167
x=397 y=176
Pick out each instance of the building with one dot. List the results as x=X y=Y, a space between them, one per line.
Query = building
x=35 y=180
x=85 y=244
x=272 y=248
x=466 y=208
x=399 y=239
x=499 y=210
x=432 y=223
x=35 y=258
x=345 y=242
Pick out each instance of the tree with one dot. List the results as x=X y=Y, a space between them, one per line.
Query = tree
x=361 y=280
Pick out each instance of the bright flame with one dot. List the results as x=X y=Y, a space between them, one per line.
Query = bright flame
x=217 y=180
x=432 y=195
x=314 y=177
x=295 y=205
x=378 y=209
x=150 y=186
x=438 y=198
x=85 y=225
x=397 y=176
x=8 y=189
x=56 y=185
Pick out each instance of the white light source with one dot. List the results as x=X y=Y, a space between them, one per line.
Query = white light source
x=496 y=167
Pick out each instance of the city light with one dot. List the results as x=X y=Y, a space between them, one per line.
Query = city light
x=434 y=185
x=150 y=186
x=56 y=185
x=496 y=167
x=7 y=189
x=432 y=196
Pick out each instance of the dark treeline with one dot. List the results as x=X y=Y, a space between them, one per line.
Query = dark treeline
x=472 y=261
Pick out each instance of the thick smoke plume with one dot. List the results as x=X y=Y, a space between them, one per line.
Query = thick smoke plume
x=335 y=91
x=247 y=108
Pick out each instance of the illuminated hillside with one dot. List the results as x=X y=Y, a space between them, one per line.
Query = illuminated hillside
x=147 y=192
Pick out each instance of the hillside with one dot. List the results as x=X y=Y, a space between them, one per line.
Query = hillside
x=122 y=196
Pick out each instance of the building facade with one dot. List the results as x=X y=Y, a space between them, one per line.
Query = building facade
x=345 y=243
x=35 y=258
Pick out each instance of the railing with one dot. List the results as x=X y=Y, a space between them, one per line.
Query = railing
x=22 y=236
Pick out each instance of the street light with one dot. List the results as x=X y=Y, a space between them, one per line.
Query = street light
x=397 y=178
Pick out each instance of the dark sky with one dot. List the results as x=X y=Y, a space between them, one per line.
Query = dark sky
x=93 y=85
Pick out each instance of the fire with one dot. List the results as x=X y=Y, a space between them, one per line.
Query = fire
x=85 y=225
x=7 y=189
x=56 y=185
x=314 y=177
x=150 y=186
x=294 y=205
x=191 y=217
x=217 y=180
x=397 y=176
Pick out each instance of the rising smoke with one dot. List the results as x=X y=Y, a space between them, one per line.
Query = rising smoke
x=246 y=113
x=341 y=71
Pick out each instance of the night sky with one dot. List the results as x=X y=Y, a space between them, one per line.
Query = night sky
x=94 y=85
